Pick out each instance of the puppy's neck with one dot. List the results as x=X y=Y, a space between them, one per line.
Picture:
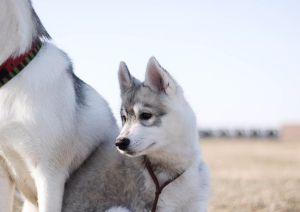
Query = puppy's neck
x=169 y=166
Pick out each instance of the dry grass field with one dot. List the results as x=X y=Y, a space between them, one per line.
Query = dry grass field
x=253 y=175
x=250 y=175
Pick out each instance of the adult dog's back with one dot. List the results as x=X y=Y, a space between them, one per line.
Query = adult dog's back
x=50 y=120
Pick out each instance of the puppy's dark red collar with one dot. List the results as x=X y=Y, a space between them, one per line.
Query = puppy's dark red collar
x=12 y=66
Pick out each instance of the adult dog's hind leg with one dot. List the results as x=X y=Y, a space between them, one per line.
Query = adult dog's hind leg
x=7 y=188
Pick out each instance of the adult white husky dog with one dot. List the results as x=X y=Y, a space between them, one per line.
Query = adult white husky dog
x=164 y=170
x=50 y=120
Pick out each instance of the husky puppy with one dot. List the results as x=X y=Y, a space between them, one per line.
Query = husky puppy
x=50 y=120
x=159 y=130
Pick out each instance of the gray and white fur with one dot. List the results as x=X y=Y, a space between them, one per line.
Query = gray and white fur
x=159 y=123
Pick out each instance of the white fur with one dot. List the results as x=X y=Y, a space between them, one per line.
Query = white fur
x=117 y=209
x=17 y=28
x=174 y=143
x=44 y=135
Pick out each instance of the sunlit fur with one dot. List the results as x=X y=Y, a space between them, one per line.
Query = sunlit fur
x=50 y=120
x=119 y=182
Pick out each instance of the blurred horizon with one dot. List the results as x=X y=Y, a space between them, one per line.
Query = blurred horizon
x=237 y=62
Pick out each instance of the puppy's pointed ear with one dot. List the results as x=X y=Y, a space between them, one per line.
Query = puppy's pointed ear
x=126 y=81
x=158 y=79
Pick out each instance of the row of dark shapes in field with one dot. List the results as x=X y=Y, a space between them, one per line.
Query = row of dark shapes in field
x=252 y=133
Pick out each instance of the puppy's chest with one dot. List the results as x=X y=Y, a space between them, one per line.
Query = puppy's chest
x=139 y=194
x=171 y=198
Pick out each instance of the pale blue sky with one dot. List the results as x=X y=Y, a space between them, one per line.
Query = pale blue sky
x=237 y=61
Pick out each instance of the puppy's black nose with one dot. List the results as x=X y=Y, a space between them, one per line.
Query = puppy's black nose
x=123 y=143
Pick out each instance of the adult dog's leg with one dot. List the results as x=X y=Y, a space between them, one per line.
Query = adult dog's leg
x=7 y=188
x=29 y=207
x=50 y=189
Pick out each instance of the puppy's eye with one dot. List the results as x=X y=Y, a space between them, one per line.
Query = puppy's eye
x=123 y=118
x=145 y=116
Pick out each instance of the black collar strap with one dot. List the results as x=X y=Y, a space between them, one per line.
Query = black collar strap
x=12 y=66
x=154 y=178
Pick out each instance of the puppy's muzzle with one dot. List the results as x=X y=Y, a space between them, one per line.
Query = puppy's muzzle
x=122 y=143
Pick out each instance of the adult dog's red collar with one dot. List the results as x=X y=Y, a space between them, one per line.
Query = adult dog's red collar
x=12 y=66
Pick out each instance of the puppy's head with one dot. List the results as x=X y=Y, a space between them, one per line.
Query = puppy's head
x=150 y=111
